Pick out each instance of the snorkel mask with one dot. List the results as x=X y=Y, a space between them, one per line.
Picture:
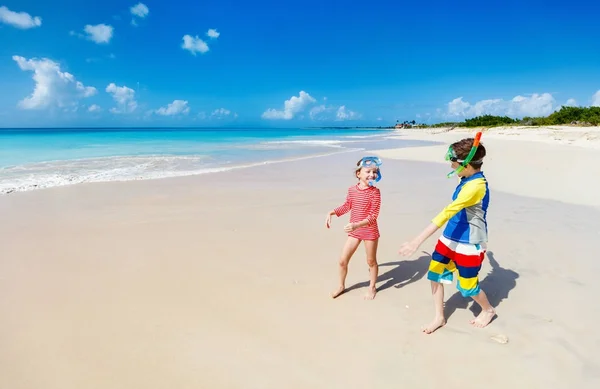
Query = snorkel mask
x=451 y=156
x=371 y=162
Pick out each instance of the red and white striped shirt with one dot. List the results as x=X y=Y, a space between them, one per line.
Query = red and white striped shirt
x=364 y=204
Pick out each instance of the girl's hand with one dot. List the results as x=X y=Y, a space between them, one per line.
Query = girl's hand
x=328 y=220
x=349 y=227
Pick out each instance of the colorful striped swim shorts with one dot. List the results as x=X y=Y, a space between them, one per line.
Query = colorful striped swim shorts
x=450 y=256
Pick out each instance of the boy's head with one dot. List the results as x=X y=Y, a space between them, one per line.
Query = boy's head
x=367 y=170
x=459 y=151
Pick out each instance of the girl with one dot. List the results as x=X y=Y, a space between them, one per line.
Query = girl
x=363 y=200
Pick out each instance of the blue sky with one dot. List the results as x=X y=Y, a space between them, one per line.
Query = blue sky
x=308 y=63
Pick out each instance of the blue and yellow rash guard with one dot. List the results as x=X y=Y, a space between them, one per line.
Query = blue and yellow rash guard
x=466 y=214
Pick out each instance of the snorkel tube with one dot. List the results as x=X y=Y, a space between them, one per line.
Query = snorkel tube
x=451 y=156
x=372 y=162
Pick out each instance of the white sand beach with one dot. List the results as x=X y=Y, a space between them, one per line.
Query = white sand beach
x=555 y=163
x=223 y=280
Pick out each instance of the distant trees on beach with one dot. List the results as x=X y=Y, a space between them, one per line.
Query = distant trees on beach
x=584 y=116
x=405 y=124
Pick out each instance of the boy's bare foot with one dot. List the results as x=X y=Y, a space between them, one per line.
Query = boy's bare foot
x=434 y=325
x=483 y=319
x=338 y=292
x=371 y=294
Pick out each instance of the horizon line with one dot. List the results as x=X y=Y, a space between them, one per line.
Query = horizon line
x=188 y=127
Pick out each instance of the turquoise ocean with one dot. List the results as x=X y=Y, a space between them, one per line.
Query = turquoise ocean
x=43 y=158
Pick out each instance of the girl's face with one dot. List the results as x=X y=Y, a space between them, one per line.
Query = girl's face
x=366 y=174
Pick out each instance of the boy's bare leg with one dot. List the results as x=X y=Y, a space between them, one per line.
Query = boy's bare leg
x=347 y=253
x=371 y=247
x=487 y=311
x=437 y=290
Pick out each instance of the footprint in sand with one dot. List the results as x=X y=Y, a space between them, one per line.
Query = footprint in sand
x=502 y=339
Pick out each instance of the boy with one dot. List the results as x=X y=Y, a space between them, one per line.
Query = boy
x=462 y=244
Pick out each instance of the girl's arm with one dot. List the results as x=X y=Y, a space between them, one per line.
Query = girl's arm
x=344 y=208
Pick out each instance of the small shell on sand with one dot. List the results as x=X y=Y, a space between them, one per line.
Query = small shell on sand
x=502 y=339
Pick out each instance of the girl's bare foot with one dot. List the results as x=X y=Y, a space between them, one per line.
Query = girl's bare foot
x=338 y=291
x=371 y=294
x=483 y=319
x=434 y=325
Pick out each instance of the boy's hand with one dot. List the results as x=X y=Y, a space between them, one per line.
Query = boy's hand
x=349 y=227
x=408 y=248
x=328 y=220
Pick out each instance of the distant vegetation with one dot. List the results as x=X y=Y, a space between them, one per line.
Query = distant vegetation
x=585 y=116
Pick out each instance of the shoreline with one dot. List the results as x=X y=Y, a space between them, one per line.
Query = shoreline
x=70 y=172
x=175 y=174
x=555 y=139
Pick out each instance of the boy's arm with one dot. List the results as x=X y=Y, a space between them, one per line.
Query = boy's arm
x=344 y=208
x=470 y=194
x=373 y=211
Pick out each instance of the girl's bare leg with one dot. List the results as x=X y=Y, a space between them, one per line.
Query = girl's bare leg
x=347 y=253
x=371 y=247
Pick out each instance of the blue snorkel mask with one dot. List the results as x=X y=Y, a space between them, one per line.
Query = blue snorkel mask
x=371 y=162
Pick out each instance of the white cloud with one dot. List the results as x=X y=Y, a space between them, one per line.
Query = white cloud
x=94 y=108
x=140 y=10
x=596 y=99
x=217 y=114
x=222 y=113
x=177 y=107
x=212 y=33
x=291 y=107
x=194 y=44
x=520 y=106
x=20 y=20
x=100 y=33
x=319 y=112
x=571 y=103
x=52 y=86
x=345 y=114
x=124 y=97
x=340 y=113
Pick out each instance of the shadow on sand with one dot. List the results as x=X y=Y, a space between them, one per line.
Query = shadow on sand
x=403 y=273
x=497 y=285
